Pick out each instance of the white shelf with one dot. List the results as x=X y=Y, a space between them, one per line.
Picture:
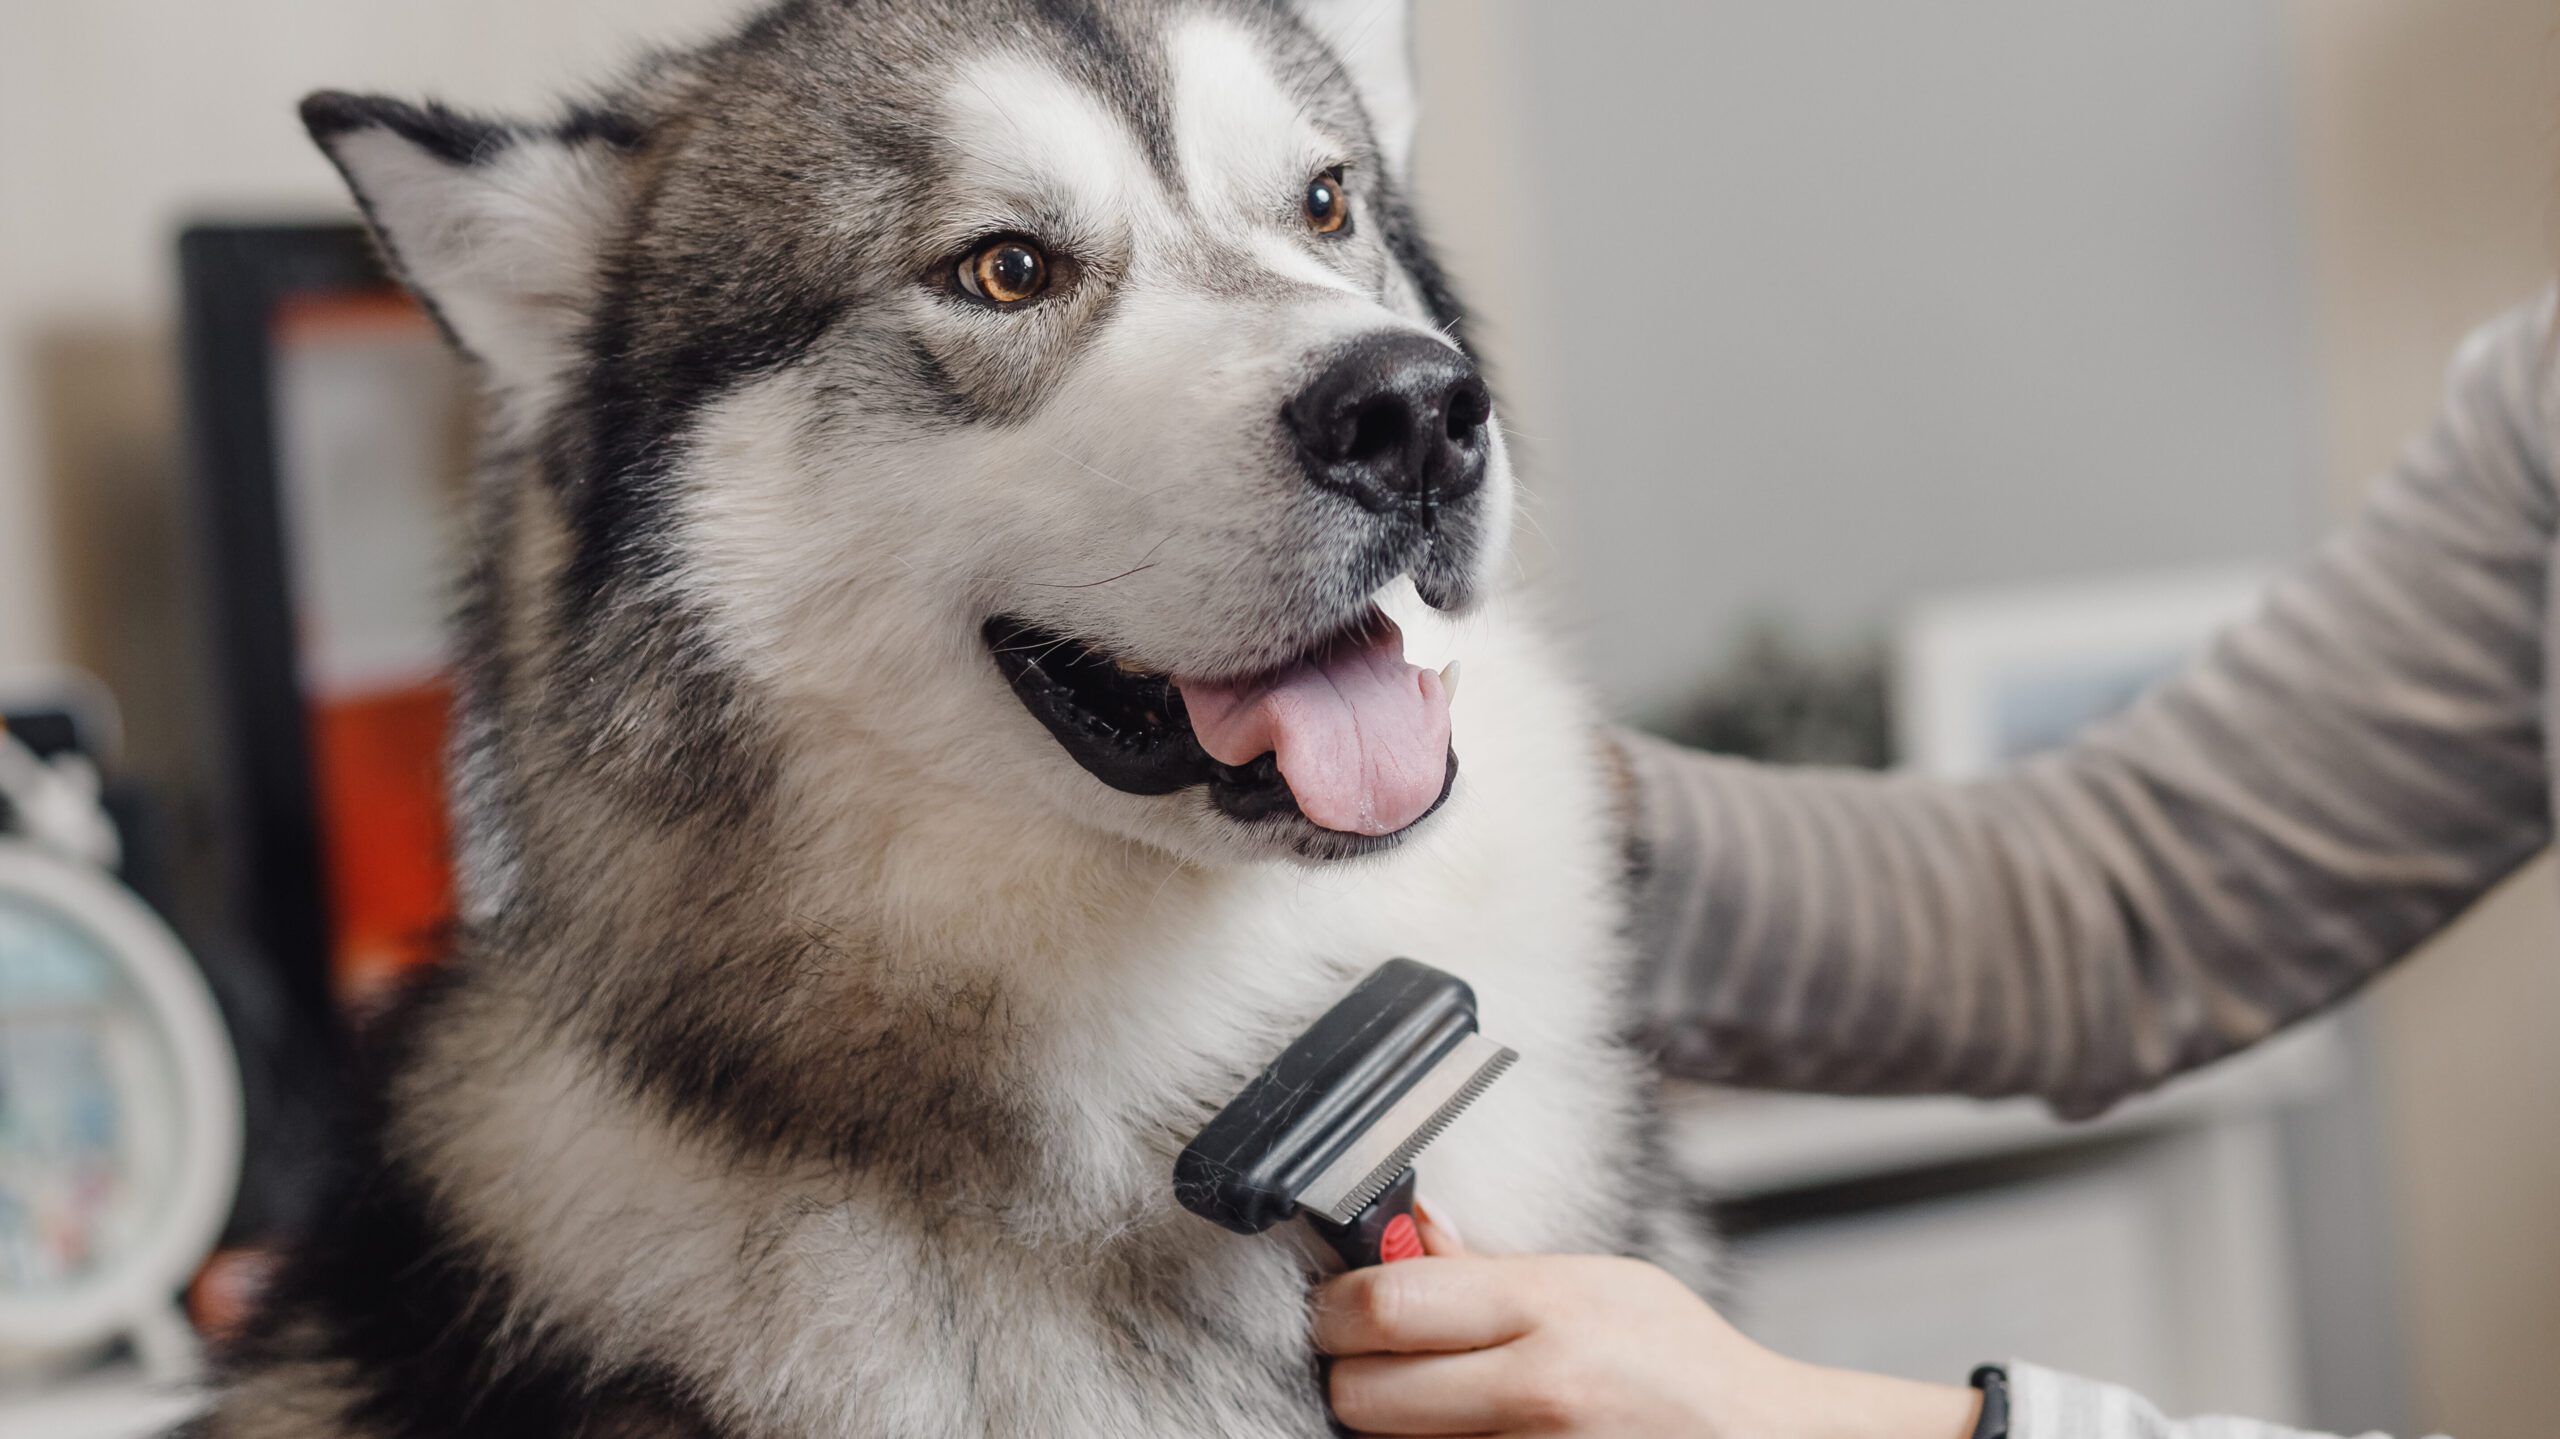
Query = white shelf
x=115 y=1403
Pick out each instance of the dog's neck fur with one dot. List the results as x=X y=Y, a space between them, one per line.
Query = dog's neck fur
x=848 y=927
x=1042 y=1057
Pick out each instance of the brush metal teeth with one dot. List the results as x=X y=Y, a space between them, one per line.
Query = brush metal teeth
x=1457 y=1081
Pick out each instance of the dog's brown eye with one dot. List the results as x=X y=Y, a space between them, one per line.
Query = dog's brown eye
x=1005 y=272
x=1328 y=209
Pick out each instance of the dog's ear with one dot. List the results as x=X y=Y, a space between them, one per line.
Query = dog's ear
x=1374 y=41
x=499 y=228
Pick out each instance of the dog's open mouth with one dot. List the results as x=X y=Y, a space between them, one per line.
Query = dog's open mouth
x=1348 y=737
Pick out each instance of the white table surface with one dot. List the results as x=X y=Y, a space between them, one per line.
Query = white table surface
x=115 y=1403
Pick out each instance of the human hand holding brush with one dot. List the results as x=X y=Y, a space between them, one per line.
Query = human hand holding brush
x=1588 y=1347
x=1428 y=1339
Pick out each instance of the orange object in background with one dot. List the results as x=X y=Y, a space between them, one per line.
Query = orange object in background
x=378 y=774
x=228 y=1289
x=374 y=443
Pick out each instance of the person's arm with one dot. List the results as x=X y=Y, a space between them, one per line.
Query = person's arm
x=2337 y=779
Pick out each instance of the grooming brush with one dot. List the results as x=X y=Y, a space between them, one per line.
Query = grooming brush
x=1331 y=1129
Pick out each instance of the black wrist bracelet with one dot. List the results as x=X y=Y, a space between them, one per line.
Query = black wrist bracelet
x=1993 y=1381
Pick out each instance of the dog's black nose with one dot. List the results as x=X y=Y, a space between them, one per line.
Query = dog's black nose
x=1396 y=421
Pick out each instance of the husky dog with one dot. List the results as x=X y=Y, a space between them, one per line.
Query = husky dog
x=979 y=497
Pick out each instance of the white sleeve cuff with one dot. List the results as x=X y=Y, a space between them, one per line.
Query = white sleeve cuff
x=2044 y=1404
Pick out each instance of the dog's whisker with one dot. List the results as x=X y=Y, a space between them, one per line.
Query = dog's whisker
x=1090 y=469
x=1377 y=12
x=1045 y=650
x=1171 y=874
x=1527 y=514
x=1094 y=584
x=1145 y=563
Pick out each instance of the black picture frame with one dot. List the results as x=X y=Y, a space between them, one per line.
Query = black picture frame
x=234 y=279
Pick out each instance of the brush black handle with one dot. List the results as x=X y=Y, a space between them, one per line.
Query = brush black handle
x=1249 y=1166
x=1380 y=1234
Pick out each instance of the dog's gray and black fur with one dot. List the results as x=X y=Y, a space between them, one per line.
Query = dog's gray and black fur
x=824 y=1024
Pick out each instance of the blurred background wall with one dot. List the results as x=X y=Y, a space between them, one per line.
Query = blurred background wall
x=2432 y=177
x=1802 y=307
x=1866 y=300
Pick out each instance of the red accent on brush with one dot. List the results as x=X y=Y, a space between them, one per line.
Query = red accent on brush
x=1400 y=1241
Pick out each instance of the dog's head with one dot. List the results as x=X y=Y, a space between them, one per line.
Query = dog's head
x=1043 y=393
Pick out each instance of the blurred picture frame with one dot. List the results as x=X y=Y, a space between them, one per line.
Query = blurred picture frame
x=1986 y=678
x=329 y=431
x=332 y=436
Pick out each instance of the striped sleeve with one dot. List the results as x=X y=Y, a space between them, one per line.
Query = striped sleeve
x=2047 y=1405
x=2336 y=779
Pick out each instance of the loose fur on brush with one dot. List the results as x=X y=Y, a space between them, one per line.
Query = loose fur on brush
x=821 y=1034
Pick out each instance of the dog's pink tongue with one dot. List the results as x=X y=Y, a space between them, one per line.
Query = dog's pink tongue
x=1362 y=737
